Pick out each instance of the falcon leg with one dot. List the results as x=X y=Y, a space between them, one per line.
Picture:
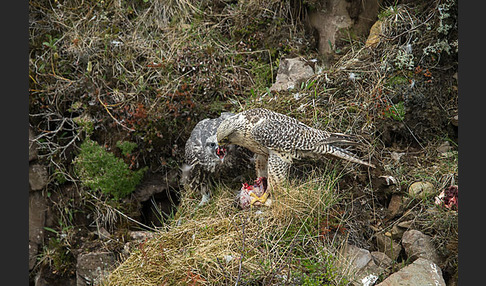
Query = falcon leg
x=278 y=169
x=204 y=200
x=203 y=179
x=205 y=195
x=261 y=163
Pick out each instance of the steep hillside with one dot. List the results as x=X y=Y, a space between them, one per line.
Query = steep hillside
x=117 y=86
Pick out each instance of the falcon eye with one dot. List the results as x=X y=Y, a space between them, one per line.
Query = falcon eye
x=225 y=140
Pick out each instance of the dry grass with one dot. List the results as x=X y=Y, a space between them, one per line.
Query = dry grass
x=218 y=244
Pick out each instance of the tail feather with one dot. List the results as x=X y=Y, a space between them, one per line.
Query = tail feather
x=340 y=138
x=346 y=155
x=328 y=147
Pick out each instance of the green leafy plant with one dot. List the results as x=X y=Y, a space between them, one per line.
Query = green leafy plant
x=58 y=256
x=51 y=42
x=322 y=272
x=397 y=80
x=126 y=147
x=85 y=123
x=99 y=169
x=395 y=111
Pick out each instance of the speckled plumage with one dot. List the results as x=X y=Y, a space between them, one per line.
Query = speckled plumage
x=277 y=139
x=201 y=162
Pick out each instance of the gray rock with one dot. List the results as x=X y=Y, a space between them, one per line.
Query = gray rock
x=44 y=279
x=40 y=280
x=38 y=177
x=357 y=257
x=37 y=217
x=395 y=207
x=420 y=272
x=33 y=250
x=381 y=259
x=421 y=188
x=330 y=18
x=136 y=237
x=291 y=73
x=93 y=268
x=103 y=234
x=387 y=245
x=444 y=147
x=33 y=152
x=397 y=232
x=455 y=120
x=419 y=245
x=405 y=224
x=399 y=228
x=361 y=265
x=141 y=235
x=143 y=192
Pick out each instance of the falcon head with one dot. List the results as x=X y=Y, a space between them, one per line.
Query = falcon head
x=216 y=153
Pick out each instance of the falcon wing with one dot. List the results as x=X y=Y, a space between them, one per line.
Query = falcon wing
x=195 y=143
x=287 y=135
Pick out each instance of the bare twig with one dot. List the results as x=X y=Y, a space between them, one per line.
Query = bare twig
x=111 y=115
x=122 y=214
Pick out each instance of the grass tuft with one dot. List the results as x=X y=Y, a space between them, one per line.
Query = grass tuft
x=221 y=244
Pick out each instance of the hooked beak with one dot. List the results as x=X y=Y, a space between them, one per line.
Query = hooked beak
x=221 y=152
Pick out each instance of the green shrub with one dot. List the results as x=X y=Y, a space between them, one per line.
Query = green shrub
x=322 y=272
x=99 y=169
x=58 y=256
x=126 y=147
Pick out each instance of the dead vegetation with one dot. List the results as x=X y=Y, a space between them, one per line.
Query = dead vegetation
x=147 y=71
x=220 y=244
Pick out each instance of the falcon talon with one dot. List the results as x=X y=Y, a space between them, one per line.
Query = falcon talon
x=254 y=195
x=256 y=199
